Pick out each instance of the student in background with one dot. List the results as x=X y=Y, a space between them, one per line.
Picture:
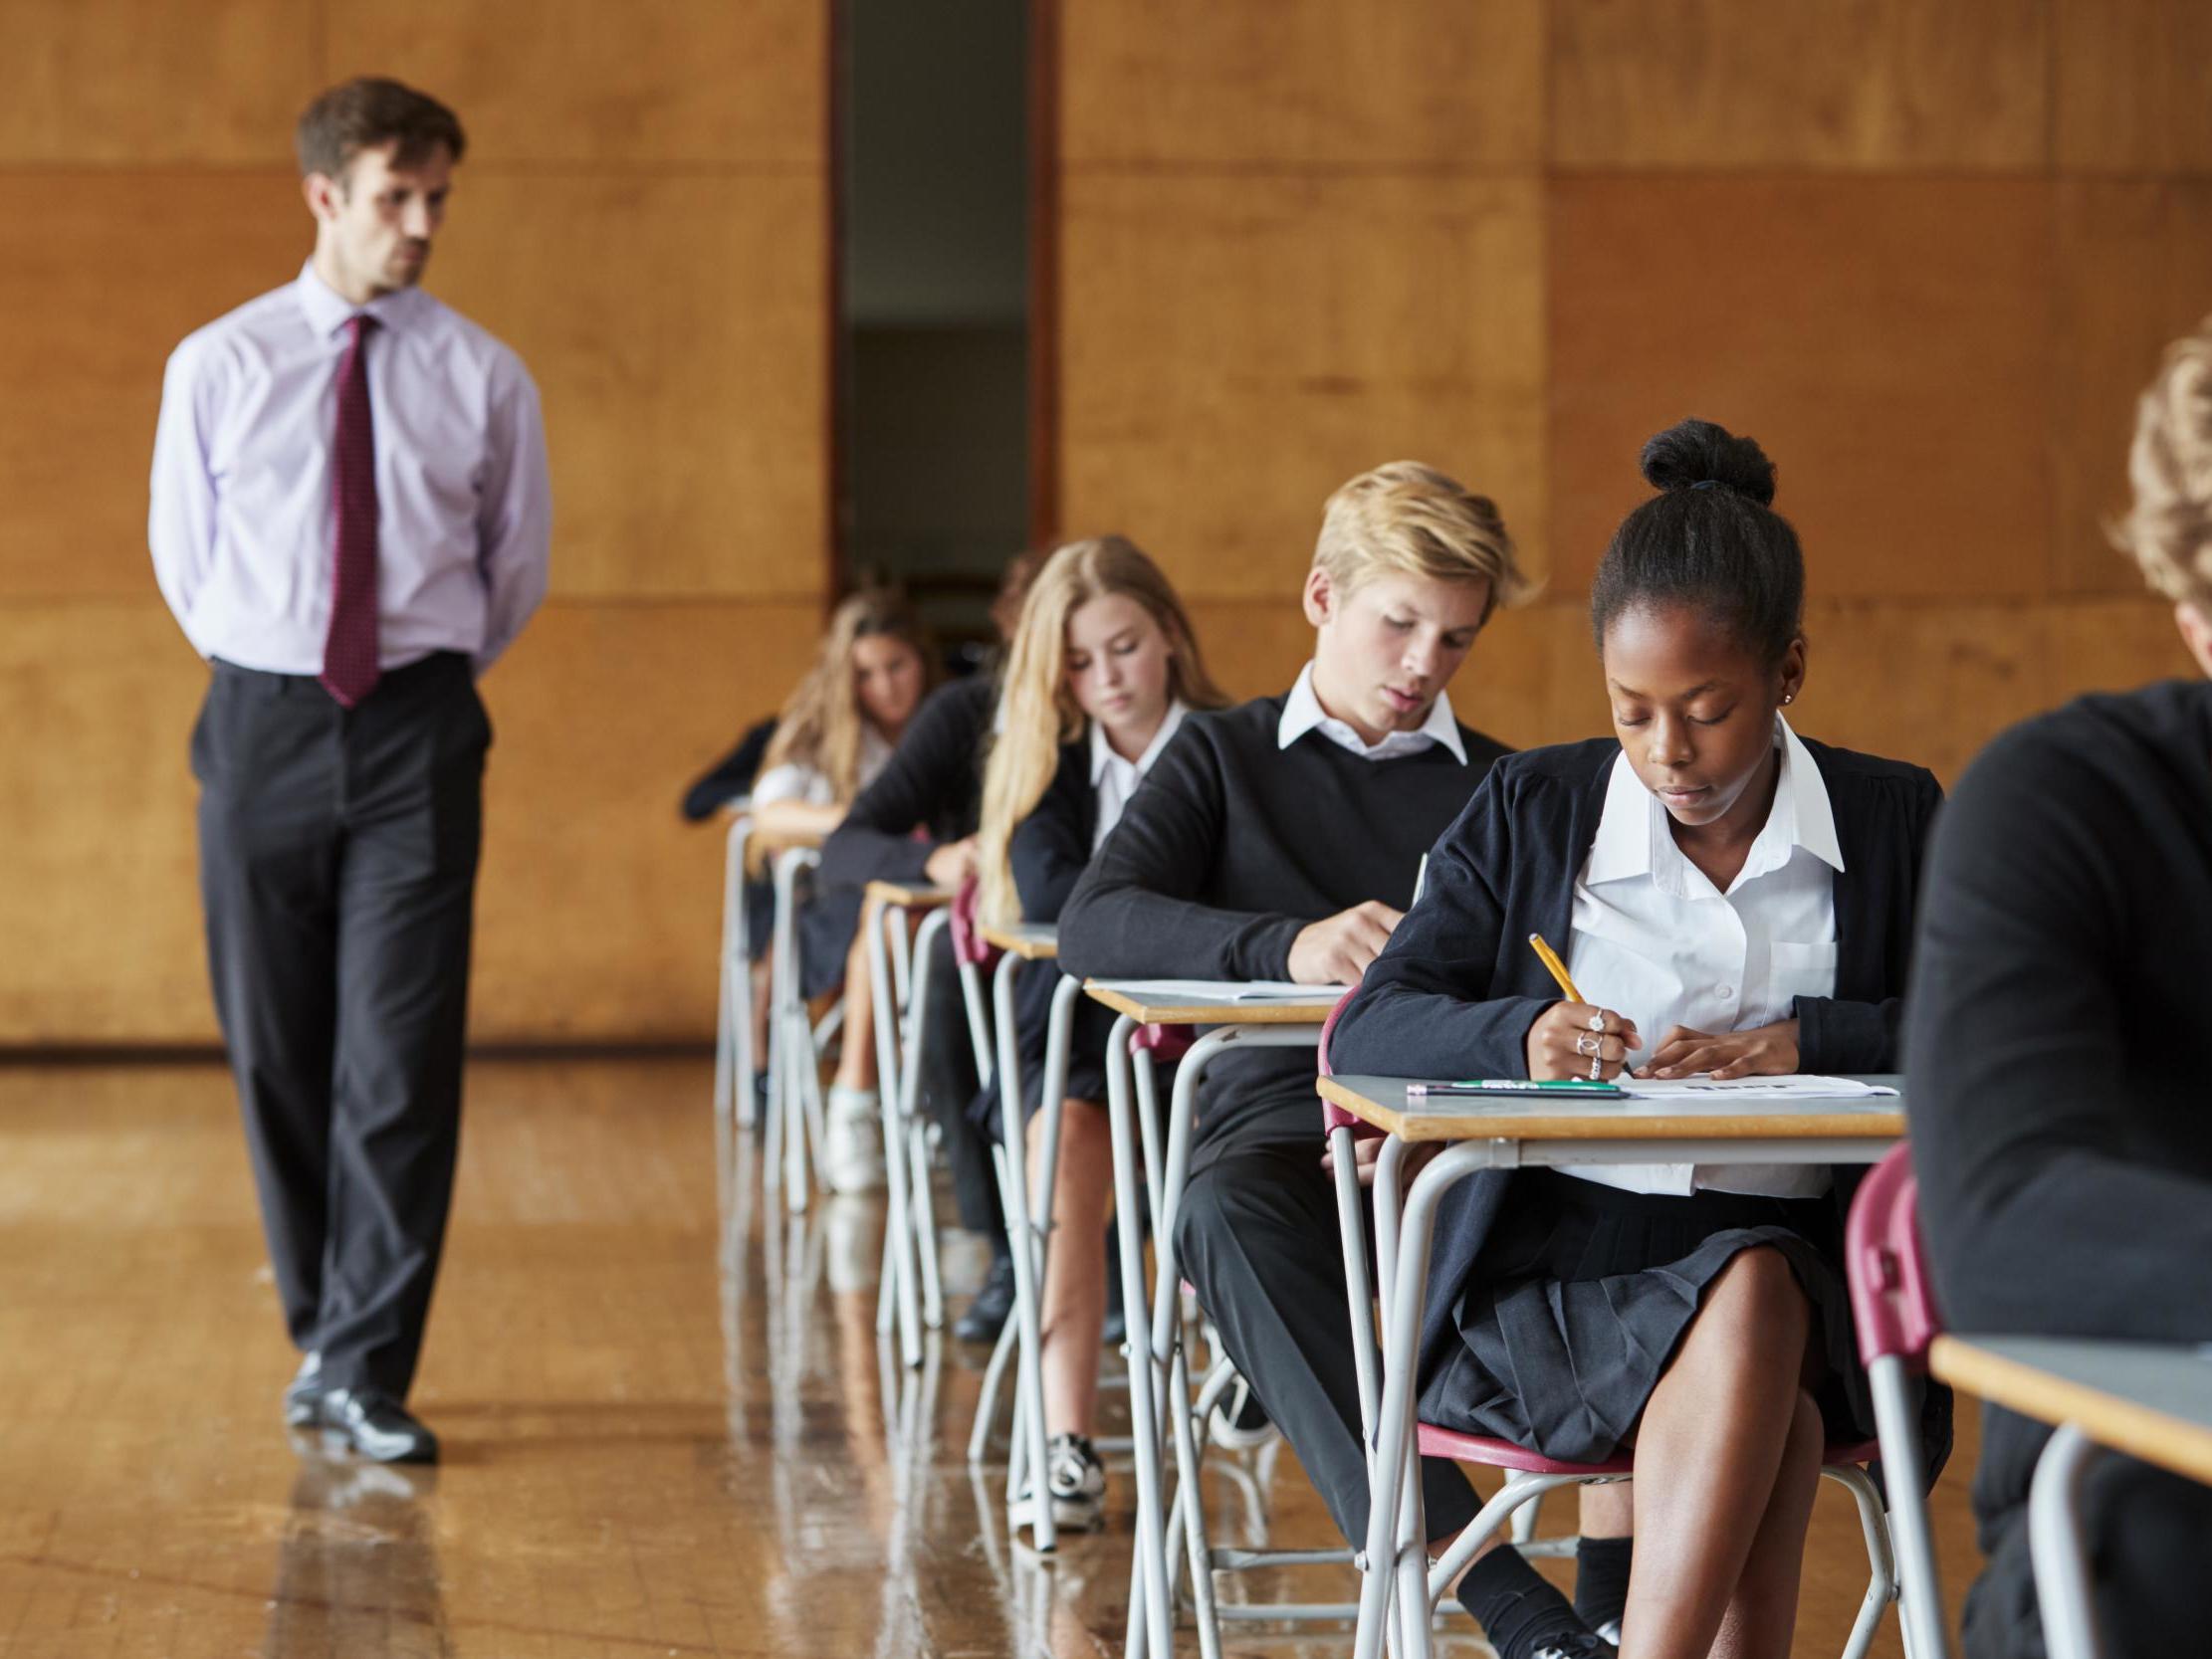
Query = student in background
x=2060 y=1124
x=917 y=823
x=1099 y=676
x=1277 y=841
x=832 y=737
x=1735 y=899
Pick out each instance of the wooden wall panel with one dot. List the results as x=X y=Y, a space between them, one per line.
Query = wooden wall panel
x=732 y=82
x=598 y=908
x=1311 y=83
x=2133 y=84
x=95 y=320
x=1738 y=85
x=1233 y=348
x=2134 y=271
x=151 y=81
x=676 y=328
x=1888 y=342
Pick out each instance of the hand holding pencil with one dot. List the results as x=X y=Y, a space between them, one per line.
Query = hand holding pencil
x=1574 y=1038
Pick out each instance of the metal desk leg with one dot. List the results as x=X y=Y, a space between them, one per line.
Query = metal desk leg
x=901 y=1295
x=920 y=1195
x=1027 y=1263
x=1148 y=1624
x=2058 y=1546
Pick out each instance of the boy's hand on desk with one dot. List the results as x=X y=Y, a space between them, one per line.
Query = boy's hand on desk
x=1366 y=1152
x=952 y=863
x=1336 y=950
x=1764 y=1051
x=1567 y=1036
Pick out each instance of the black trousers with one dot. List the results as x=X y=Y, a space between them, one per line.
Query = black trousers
x=338 y=867
x=1258 y=1237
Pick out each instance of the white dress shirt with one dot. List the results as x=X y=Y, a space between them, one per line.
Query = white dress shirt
x=241 y=524
x=1114 y=780
x=1302 y=713
x=1655 y=941
x=791 y=780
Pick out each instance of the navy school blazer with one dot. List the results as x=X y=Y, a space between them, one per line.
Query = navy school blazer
x=1458 y=987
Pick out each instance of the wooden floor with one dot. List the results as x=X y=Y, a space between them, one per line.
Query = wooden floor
x=667 y=1426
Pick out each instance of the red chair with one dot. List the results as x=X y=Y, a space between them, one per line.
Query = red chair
x=1892 y=1303
x=1529 y=1475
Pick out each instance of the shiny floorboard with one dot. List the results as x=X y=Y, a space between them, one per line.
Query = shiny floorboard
x=668 y=1427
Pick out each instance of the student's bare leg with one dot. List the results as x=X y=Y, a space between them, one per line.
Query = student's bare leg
x=1711 y=1473
x=1073 y=1311
x=1763 y=1613
x=856 y=1054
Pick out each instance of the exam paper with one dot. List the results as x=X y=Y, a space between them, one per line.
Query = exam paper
x=1226 y=990
x=1797 y=1086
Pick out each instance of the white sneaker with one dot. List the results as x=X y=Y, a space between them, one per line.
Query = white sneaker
x=1239 y=1423
x=1076 y=1483
x=852 y=1141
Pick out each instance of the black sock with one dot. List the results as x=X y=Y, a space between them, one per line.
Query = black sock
x=1602 y=1579
x=1514 y=1604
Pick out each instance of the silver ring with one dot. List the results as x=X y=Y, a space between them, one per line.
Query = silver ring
x=1594 y=1077
x=1597 y=1022
x=1582 y=1043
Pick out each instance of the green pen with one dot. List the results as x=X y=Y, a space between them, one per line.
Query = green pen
x=1572 y=1087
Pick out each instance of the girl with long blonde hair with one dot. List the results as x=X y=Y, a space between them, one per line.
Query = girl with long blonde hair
x=833 y=736
x=1103 y=668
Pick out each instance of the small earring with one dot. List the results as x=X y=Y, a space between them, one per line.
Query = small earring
x=1789 y=697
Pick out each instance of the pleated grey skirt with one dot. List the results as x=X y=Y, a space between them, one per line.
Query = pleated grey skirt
x=1582 y=1293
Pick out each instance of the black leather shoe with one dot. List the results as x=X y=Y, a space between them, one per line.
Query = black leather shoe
x=987 y=1315
x=302 y=1395
x=1114 y=1331
x=377 y=1426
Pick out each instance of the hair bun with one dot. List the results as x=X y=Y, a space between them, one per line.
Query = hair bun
x=1693 y=452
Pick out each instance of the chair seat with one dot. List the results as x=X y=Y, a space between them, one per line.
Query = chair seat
x=1165 y=1042
x=1503 y=1454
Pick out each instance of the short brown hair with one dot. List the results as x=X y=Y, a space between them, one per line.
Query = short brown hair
x=1412 y=520
x=367 y=112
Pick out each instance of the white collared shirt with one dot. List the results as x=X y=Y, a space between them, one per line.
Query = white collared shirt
x=1302 y=713
x=794 y=781
x=1114 y=780
x=1655 y=941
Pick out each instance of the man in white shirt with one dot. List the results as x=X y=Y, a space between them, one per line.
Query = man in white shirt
x=349 y=520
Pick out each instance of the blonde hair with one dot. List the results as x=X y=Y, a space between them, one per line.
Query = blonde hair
x=1038 y=712
x=1409 y=520
x=2169 y=529
x=819 y=724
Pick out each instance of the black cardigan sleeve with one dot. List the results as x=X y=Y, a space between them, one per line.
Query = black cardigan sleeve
x=1894 y=817
x=2039 y=1215
x=732 y=776
x=1051 y=849
x=1135 y=911
x=1434 y=1003
x=929 y=783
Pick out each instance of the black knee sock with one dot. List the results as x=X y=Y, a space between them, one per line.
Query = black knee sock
x=1602 y=1579
x=1513 y=1603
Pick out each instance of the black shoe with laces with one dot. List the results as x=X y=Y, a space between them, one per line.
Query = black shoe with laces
x=987 y=1315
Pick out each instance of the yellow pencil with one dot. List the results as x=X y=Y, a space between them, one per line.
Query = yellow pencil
x=1550 y=958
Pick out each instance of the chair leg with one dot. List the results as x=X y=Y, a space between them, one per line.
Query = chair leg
x=1882 y=1571
x=2058 y=1546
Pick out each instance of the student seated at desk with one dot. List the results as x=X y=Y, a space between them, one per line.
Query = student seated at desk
x=1101 y=672
x=1732 y=898
x=915 y=823
x=831 y=738
x=1277 y=841
x=2060 y=1124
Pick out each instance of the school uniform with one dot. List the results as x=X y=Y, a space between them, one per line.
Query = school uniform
x=1048 y=852
x=1254 y=823
x=1557 y=1298
x=2060 y=1127
x=829 y=916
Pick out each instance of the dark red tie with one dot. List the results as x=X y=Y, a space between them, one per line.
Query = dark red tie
x=349 y=666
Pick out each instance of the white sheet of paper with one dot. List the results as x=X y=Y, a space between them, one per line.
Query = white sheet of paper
x=1227 y=990
x=1797 y=1086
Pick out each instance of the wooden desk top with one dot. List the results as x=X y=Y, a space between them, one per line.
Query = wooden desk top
x=912 y=895
x=1381 y=1100
x=1147 y=1009
x=1032 y=942
x=2152 y=1400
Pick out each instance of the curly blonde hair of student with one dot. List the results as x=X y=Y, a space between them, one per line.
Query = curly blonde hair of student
x=1406 y=519
x=819 y=725
x=2169 y=529
x=1038 y=711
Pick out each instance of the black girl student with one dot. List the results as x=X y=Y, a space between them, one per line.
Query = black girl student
x=917 y=823
x=1100 y=674
x=1733 y=899
x=832 y=737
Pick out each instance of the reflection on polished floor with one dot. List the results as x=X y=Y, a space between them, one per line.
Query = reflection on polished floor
x=667 y=1426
